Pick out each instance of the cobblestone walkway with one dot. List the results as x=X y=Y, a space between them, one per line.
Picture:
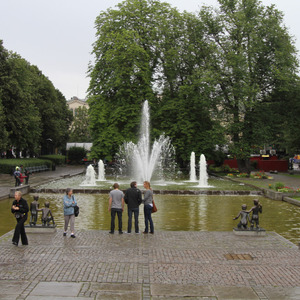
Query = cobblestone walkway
x=166 y=265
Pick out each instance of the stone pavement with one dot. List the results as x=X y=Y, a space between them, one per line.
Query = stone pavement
x=166 y=265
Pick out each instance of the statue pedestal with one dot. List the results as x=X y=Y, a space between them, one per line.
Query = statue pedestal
x=249 y=232
x=40 y=229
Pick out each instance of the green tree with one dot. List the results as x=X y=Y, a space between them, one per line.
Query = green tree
x=254 y=56
x=188 y=111
x=127 y=55
x=79 y=130
x=35 y=115
x=22 y=117
x=147 y=50
x=4 y=70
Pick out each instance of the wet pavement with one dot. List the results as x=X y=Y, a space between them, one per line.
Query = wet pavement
x=166 y=265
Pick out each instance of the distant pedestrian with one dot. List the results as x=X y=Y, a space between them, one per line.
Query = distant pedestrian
x=116 y=206
x=69 y=203
x=148 y=205
x=26 y=174
x=20 y=210
x=133 y=199
x=17 y=175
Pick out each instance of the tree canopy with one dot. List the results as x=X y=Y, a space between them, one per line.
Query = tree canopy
x=211 y=78
x=34 y=112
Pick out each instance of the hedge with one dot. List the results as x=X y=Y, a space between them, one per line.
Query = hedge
x=7 y=166
x=57 y=159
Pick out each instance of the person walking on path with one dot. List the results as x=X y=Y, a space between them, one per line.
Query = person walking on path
x=20 y=210
x=133 y=199
x=69 y=203
x=116 y=206
x=148 y=205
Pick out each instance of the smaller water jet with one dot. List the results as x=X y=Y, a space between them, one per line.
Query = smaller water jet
x=203 y=176
x=101 y=171
x=193 y=168
x=90 y=177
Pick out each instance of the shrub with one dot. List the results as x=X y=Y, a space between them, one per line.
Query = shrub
x=279 y=185
x=76 y=155
x=55 y=158
x=7 y=166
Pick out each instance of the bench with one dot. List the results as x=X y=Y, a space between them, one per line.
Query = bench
x=36 y=169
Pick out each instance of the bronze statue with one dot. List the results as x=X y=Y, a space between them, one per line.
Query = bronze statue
x=47 y=215
x=256 y=209
x=244 y=214
x=34 y=208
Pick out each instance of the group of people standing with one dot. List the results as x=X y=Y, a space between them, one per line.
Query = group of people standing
x=117 y=199
x=133 y=199
x=20 y=174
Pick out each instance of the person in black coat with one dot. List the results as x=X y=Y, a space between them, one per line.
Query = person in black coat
x=133 y=199
x=20 y=210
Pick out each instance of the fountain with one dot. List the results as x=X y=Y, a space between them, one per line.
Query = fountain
x=203 y=176
x=140 y=161
x=101 y=171
x=193 y=168
x=90 y=177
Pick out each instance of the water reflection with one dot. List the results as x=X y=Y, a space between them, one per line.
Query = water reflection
x=187 y=213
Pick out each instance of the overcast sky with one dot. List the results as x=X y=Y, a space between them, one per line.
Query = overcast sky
x=57 y=35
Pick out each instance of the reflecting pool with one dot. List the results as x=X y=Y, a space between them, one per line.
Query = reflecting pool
x=184 y=212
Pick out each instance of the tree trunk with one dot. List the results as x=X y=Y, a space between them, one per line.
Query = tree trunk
x=244 y=166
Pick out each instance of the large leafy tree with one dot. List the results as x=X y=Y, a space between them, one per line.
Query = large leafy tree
x=254 y=56
x=148 y=50
x=127 y=54
x=4 y=70
x=35 y=115
x=188 y=108
x=22 y=117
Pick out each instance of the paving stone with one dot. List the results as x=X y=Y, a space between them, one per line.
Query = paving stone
x=168 y=290
x=8 y=287
x=57 y=298
x=231 y=293
x=57 y=289
x=166 y=265
x=282 y=293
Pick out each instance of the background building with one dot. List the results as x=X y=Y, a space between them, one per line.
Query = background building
x=75 y=103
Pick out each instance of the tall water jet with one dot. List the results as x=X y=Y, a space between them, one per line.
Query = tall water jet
x=203 y=176
x=142 y=161
x=90 y=177
x=193 y=168
x=101 y=171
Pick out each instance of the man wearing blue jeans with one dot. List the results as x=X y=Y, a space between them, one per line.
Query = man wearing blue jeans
x=116 y=206
x=133 y=199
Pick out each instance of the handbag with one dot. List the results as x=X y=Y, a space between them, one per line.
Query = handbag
x=76 y=210
x=154 y=208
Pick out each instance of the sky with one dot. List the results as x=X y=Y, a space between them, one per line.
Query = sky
x=57 y=35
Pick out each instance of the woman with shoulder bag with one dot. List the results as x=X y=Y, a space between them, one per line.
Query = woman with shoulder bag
x=20 y=210
x=148 y=205
x=69 y=203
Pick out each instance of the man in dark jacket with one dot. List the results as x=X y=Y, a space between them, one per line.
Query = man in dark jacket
x=20 y=210
x=133 y=199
